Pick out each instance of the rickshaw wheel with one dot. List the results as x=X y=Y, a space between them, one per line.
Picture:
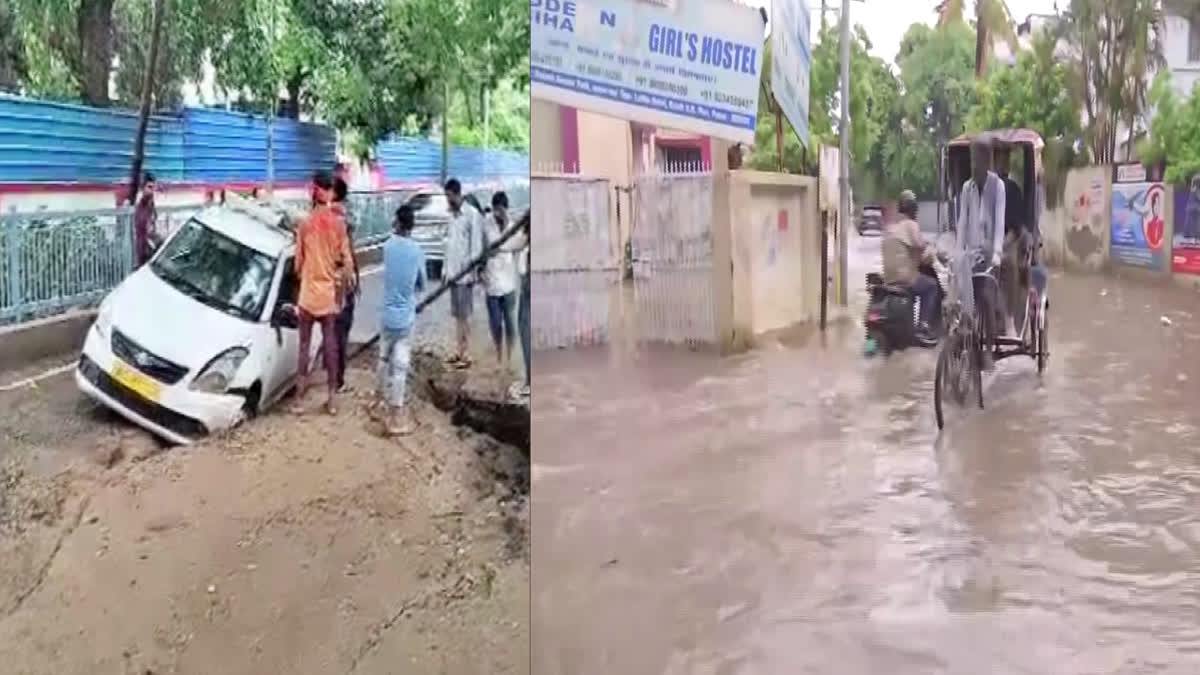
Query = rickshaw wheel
x=1043 y=344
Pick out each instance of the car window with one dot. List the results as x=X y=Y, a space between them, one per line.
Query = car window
x=216 y=270
x=289 y=286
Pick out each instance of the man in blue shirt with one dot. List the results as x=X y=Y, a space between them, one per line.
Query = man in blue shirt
x=403 y=278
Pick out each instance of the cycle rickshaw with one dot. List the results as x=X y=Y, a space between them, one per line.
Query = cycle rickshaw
x=959 y=372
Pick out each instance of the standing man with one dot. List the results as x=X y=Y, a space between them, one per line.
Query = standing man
x=322 y=256
x=500 y=279
x=145 y=214
x=981 y=235
x=345 y=319
x=523 y=320
x=464 y=239
x=403 y=278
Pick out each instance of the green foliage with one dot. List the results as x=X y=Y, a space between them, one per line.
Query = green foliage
x=1032 y=94
x=872 y=90
x=1174 y=131
x=1115 y=44
x=508 y=121
x=372 y=66
x=937 y=90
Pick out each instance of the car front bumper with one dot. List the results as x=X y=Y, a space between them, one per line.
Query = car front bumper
x=180 y=415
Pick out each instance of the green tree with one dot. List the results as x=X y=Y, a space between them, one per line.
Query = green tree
x=13 y=66
x=508 y=123
x=77 y=39
x=1116 y=45
x=1174 y=130
x=872 y=89
x=992 y=19
x=938 y=91
x=1032 y=94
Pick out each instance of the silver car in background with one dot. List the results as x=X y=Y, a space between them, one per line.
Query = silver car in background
x=431 y=212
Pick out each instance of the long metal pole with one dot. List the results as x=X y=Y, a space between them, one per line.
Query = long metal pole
x=844 y=216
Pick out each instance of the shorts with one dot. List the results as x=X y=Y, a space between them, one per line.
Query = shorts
x=462 y=301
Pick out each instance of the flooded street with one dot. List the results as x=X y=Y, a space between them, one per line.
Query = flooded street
x=794 y=510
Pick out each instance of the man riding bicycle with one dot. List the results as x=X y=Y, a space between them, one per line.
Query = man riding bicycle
x=904 y=251
x=981 y=211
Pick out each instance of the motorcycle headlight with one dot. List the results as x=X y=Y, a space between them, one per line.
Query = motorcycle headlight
x=104 y=319
x=216 y=376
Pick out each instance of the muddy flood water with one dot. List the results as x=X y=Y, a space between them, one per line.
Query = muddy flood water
x=794 y=510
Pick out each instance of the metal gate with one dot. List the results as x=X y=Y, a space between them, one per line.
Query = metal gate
x=574 y=268
x=673 y=258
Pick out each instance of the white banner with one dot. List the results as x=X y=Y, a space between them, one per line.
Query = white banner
x=790 y=58
x=691 y=65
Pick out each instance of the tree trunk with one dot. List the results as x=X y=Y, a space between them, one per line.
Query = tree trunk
x=294 y=83
x=981 y=46
x=94 y=27
x=139 y=143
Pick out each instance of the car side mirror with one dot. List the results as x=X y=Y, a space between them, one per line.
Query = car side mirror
x=284 y=317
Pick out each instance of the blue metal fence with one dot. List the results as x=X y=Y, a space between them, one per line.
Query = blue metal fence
x=47 y=142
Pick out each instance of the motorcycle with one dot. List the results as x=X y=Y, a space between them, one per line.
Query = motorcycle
x=893 y=313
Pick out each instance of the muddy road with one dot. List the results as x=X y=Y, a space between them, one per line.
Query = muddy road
x=291 y=545
x=794 y=510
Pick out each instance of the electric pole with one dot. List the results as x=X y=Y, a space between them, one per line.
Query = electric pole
x=844 y=216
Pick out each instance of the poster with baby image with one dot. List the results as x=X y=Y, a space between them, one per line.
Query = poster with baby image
x=1139 y=225
x=1185 y=245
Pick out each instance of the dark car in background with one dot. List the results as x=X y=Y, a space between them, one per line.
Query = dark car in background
x=870 y=219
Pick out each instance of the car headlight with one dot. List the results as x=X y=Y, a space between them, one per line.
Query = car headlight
x=216 y=376
x=104 y=318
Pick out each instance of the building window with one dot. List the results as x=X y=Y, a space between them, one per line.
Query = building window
x=1193 y=40
x=681 y=158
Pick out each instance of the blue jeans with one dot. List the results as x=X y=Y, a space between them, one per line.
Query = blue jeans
x=926 y=289
x=500 y=310
x=395 y=356
x=524 y=323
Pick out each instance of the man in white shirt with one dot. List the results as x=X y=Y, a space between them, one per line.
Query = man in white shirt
x=981 y=233
x=500 y=278
x=464 y=243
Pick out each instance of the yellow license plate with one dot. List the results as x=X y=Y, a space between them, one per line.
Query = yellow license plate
x=132 y=379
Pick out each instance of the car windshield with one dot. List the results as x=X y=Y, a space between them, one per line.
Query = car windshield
x=216 y=270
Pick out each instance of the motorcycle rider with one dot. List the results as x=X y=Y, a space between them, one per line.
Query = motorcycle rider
x=904 y=252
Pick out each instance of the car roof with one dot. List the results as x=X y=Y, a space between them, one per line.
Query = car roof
x=246 y=230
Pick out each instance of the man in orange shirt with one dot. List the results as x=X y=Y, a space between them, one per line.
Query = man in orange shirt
x=322 y=256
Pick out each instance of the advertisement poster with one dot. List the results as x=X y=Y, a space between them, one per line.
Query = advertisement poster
x=790 y=57
x=691 y=65
x=1185 y=245
x=1139 y=225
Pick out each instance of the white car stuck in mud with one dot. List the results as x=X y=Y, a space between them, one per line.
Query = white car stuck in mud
x=197 y=339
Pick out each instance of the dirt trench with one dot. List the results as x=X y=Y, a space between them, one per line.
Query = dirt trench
x=297 y=545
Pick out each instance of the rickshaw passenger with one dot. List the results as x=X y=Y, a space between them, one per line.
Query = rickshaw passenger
x=981 y=232
x=1018 y=244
